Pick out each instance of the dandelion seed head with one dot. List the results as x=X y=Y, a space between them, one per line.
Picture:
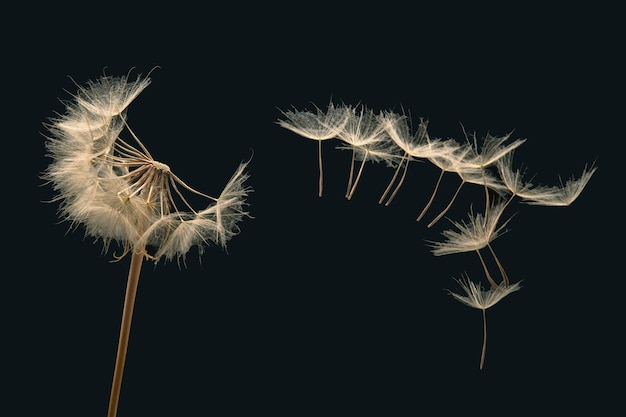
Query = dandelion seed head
x=113 y=187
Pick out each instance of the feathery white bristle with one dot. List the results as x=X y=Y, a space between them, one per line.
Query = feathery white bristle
x=117 y=192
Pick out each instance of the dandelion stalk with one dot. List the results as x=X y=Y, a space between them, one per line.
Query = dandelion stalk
x=486 y=196
x=393 y=179
x=321 y=168
x=351 y=175
x=487 y=274
x=445 y=210
x=505 y=278
x=484 y=348
x=358 y=177
x=127 y=317
x=395 y=191
x=432 y=197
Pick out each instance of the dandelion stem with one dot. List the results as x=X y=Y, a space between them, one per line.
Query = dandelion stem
x=319 y=157
x=358 y=177
x=432 y=196
x=393 y=195
x=508 y=201
x=351 y=172
x=484 y=349
x=444 y=211
x=395 y=175
x=486 y=196
x=487 y=274
x=127 y=316
x=505 y=278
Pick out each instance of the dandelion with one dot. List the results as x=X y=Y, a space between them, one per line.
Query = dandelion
x=319 y=126
x=476 y=297
x=118 y=192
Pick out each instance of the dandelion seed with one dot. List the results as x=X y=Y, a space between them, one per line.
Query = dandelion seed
x=474 y=235
x=472 y=163
x=319 y=126
x=513 y=179
x=367 y=139
x=117 y=191
x=491 y=149
x=561 y=195
x=478 y=298
x=415 y=146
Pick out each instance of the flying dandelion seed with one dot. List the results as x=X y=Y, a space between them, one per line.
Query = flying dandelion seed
x=368 y=141
x=319 y=126
x=415 y=146
x=476 y=297
x=474 y=235
x=472 y=167
x=116 y=190
x=560 y=195
x=362 y=133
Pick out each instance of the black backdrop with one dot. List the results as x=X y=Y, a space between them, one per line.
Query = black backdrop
x=322 y=306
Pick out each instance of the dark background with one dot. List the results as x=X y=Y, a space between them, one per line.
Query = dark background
x=322 y=306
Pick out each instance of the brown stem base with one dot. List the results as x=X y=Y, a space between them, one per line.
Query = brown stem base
x=127 y=317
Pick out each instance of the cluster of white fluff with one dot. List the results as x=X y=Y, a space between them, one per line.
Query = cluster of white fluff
x=389 y=137
x=118 y=192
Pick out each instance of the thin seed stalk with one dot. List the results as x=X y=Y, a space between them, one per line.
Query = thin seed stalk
x=127 y=317
x=484 y=349
x=351 y=177
x=487 y=274
x=395 y=191
x=505 y=277
x=432 y=196
x=445 y=210
x=393 y=179
x=486 y=196
x=358 y=177
x=321 y=167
